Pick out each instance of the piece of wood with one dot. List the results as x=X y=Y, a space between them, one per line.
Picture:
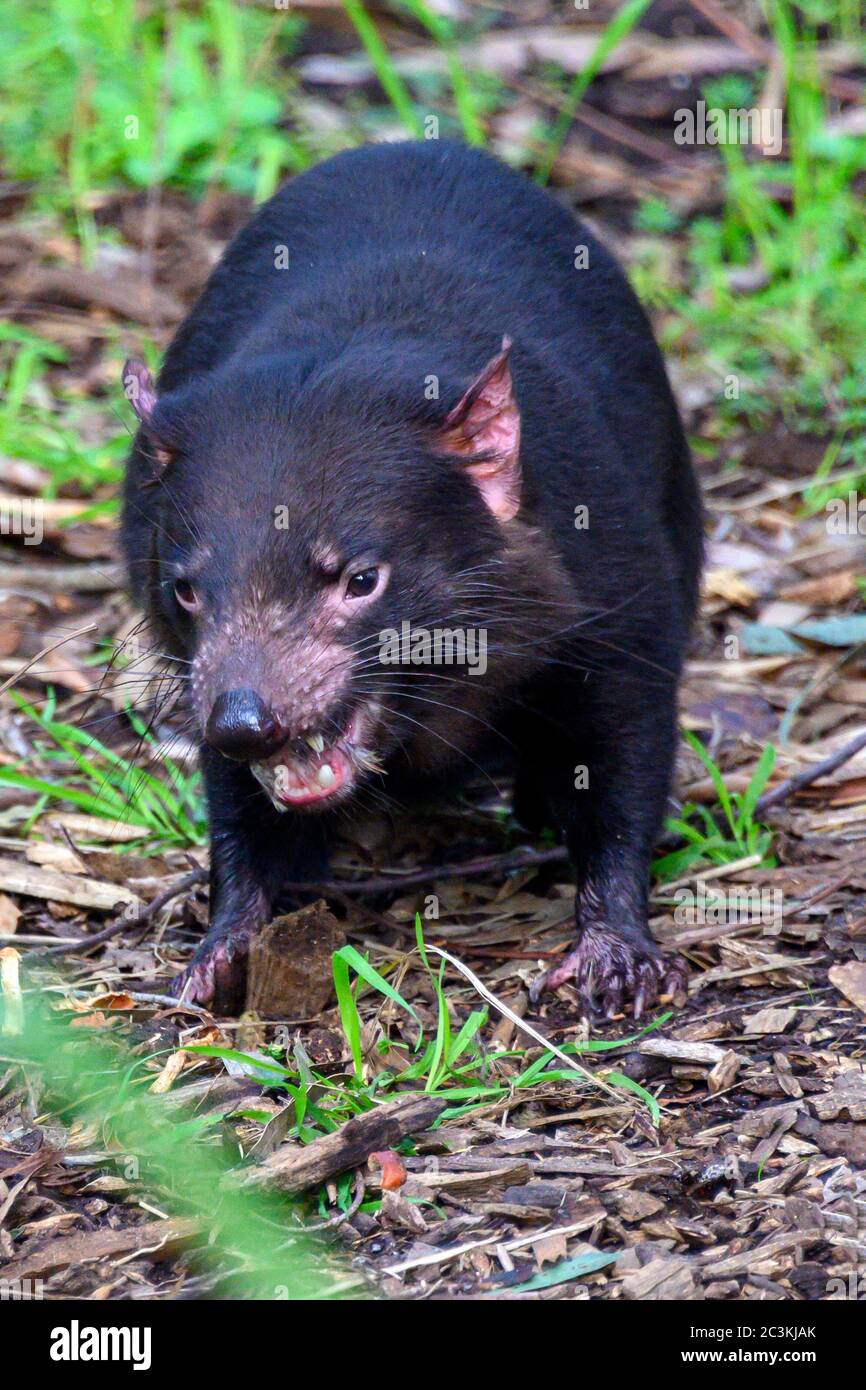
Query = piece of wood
x=704 y=1054
x=290 y=973
x=17 y=876
x=11 y=1000
x=850 y=980
x=127 y=298
x=47 y=854
x=724 y=1073
x=52 y=511
x=130 y=919
x=156 y=1240
x=666 y=1278
x=810 y=774
x=62 y=579
x=298 y=1167
x=9 y=915
x=509 y=1175
x=95 y=827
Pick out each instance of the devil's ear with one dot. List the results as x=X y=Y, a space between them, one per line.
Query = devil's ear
x=140 y=391
x=484 y=427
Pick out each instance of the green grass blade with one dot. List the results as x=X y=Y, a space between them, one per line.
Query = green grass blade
x=470 y=1030
x=618 y=1078
x=619 y=27
x=759 y=779
x=392 y=83
x=439 y=27
x=443 y=1034
x=716 y=777
x=565 y=1272
x=230 y=1054
x=370 y=975
x=349 y=1017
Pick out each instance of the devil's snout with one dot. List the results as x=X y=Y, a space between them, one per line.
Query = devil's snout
x=242 y=726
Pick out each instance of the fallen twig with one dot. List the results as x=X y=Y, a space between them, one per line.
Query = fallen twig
x=472 y=868
x=46 y=651
x=18 y=876
x=295 y=1168
x=144 y=914
x=810 y=774
x=159 y=1239
x=62 y=579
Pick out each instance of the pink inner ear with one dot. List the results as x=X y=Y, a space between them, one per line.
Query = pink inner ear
x=139 y=389
x=486 y=422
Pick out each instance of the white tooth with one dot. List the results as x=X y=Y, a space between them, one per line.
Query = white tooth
x=316 y=742
x=326 y=775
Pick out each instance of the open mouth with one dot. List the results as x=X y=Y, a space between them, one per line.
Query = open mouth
x=317 y=767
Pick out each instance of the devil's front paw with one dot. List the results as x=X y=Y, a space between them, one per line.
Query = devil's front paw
x=216 y=977
x=613 y=972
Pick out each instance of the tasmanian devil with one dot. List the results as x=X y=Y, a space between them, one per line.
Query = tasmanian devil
x=412 y=480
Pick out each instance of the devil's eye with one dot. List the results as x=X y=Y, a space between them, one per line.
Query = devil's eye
x=362 y=583
x=184 y=592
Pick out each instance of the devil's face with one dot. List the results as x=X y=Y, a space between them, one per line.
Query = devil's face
x=287 y=550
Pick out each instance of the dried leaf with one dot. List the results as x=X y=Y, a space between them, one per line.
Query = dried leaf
x=850 y=980
x=9 y=915
x=769 y=1020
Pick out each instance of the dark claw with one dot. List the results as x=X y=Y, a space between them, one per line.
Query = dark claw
x=640 y=1001
x=611 y=970
x=216 y=976
x=612 y=996
x=676 y=980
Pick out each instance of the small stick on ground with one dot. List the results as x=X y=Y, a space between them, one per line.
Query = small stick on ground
x=87 y=943
x=810 y=774
x=472 y=868
x=46 y=651
x=296 y=1169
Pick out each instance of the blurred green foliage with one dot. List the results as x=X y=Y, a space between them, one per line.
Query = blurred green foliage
x=253 y=1240
x=98 y=91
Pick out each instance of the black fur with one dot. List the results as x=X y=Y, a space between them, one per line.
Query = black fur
x=305 y=387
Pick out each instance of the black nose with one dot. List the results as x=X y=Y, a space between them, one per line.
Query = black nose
x=242 y=726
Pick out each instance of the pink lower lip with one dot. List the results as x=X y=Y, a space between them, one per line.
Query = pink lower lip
x=307 y=798
x=314 y=793
x=291 y=777
x=307 y=790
